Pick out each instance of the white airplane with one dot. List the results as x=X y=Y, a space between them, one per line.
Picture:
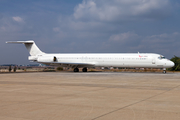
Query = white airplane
x=76 y=61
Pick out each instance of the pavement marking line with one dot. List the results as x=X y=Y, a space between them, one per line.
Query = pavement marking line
x=135 y=103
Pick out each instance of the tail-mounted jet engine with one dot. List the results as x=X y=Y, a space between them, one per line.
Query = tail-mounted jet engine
x=33 y=58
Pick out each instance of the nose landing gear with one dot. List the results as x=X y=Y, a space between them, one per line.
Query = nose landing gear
x=164 y=70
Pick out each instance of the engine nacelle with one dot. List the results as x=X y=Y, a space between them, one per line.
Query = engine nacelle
x=46 y=59
x=32 y=58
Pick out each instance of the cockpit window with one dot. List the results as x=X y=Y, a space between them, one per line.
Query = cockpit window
x=161 y=57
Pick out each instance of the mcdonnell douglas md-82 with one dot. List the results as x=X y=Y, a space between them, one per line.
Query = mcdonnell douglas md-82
x=76 y=61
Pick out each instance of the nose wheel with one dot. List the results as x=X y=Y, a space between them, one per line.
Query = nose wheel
x=76 y=70
x=84 y=69
x=164 y=70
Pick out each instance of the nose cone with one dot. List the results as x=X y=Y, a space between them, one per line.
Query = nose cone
x=170 y=64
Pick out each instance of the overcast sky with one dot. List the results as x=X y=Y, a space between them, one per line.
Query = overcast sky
x=89 y=26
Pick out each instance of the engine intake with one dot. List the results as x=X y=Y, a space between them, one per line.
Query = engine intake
x=55 y=59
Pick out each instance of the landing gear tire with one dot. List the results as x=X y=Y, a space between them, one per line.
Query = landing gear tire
x=164 y=70
x=84 y=69
x=76 y=70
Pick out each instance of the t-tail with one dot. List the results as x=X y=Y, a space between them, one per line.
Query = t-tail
x=31 y=47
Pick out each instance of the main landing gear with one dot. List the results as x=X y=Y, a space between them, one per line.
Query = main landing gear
x=76 y=70
x=84 y=69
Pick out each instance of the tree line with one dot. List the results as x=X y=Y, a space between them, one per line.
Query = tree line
x=176 y=61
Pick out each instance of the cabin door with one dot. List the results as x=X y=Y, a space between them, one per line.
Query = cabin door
x=153 y=61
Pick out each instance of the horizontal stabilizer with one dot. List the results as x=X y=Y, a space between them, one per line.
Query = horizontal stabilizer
x=31 y=47
x=20 y=42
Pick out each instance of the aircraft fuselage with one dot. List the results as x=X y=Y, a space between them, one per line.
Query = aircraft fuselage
x=146 y=60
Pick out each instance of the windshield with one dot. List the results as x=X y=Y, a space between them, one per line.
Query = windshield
x=162 y=57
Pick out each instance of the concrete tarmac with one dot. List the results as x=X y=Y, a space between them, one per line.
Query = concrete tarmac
x=89 y=96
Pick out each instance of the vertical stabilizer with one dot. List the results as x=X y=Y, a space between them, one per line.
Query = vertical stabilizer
x=31 y=47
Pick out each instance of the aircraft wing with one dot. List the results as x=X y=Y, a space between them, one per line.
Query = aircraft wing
x=69 y=64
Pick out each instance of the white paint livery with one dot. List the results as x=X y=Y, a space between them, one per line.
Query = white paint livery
x=132 y=60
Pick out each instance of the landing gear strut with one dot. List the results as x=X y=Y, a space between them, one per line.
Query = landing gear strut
x=76 y=70
x=84 y=69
